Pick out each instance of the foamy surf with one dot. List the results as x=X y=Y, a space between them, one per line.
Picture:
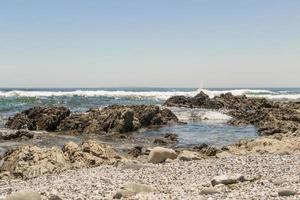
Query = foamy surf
x=157 y=95
x=187 y=114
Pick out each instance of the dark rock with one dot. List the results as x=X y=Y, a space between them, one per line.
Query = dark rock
x=269 y=117
x=171 y=136
x=206 y=150
x=117 y=118
x=39 y=118
x=7 y=134
x=54 y=197
x=136 y=151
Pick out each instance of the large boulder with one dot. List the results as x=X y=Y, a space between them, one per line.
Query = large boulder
x=31 y=161
x=24 y=195
x=39 y=118
x=160 y=154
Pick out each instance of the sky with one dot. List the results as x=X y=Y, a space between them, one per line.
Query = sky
x=157 y=43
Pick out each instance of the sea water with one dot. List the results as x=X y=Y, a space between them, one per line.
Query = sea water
x=202 y=125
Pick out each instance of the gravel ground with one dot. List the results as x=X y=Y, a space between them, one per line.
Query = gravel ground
x=175 y=180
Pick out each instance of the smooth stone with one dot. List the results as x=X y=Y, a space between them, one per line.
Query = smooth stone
x=286 y=192
x=24 y=195
x=160 y=154
x=189 y=156
x=228 y=179
x=130 y=189
x=208 y=191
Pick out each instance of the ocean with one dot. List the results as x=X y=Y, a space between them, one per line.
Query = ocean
x=213 y=131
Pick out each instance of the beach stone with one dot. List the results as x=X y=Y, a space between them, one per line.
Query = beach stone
x=286 y=192
x=209 y=191
x=24 y=195
x=189 y=156
x=136 y=151
x=228 y=179
x=130 y=189
x=54 y=197
x=160 y=154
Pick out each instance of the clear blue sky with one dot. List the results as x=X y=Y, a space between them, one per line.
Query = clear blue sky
x=192 y=43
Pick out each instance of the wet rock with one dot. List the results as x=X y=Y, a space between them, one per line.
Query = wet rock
x=130 y=189
x=8 y=134
x=117 y=118
x=206 y=150
x=228 y=179
x=136 y=151
x=269 y=117
x=24 y=195
x=286 y=192
x=39 y=118
x=160 y=141
x=171 y=136
x=160 y=154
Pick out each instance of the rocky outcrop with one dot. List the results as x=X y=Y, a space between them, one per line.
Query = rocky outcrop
x=24 y=195
x=31 y=161
x=271 y=144
x=111 y=119
x=39 y=118
x=117 y=118
x=269 y=117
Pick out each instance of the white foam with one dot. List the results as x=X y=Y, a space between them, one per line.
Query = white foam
x=94 y=93
x=187 y=114
x=159 y=95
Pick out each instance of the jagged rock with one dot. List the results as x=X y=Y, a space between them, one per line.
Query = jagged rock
x=30 y=161
x=168 y=139
x=206 y=150
x=228 y=179
x=38 y=118
x=160 y=154
x=8 y=134
x=269 y=117
x=130 y=189
x=90 y=154
x=24 y=195
x=117 y=118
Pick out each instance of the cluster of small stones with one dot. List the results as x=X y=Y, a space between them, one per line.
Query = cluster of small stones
x=268 y=176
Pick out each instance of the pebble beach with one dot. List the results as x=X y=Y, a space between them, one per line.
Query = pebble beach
x=269 y=175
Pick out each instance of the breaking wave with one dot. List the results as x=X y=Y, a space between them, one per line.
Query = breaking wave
x=159 y=95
